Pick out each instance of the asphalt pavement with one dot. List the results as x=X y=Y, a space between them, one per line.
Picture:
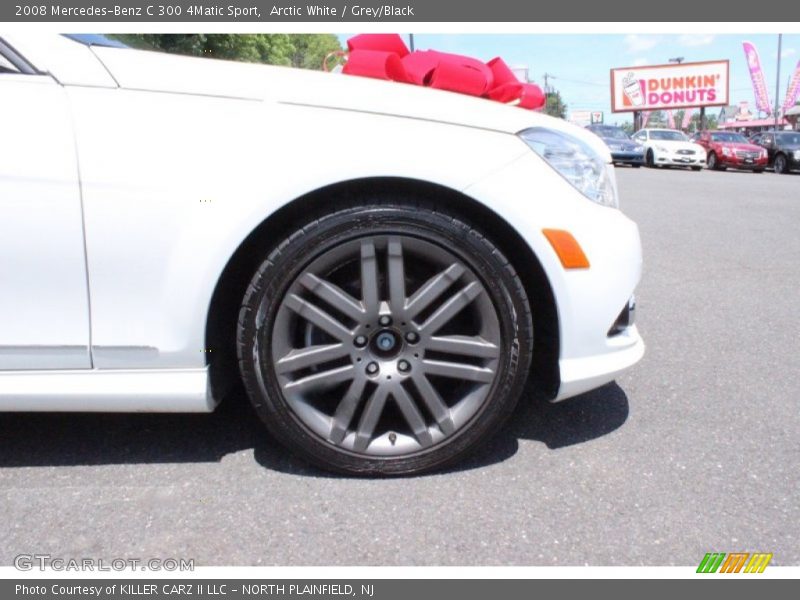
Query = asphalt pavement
x=694 y=450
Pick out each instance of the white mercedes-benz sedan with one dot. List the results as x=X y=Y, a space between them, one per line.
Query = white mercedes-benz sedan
x=381 y=266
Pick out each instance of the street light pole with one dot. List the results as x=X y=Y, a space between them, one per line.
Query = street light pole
x=679 y=60
x=778 y=80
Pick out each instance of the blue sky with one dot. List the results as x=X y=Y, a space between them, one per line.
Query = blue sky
x=581 y=62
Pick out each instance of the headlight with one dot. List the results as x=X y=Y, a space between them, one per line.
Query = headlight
x=726 y=151
x=575 y=161
x=661 y=149
x=797 y=154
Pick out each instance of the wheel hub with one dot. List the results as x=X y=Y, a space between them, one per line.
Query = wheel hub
x=386 y=344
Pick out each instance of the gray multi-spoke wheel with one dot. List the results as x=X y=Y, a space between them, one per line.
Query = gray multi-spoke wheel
x=385 y=339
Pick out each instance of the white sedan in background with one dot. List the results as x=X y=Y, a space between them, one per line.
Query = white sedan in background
x=670 y=147
x=381 y=266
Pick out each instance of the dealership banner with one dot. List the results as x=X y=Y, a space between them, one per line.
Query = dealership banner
x=793 y=91
x=687 y=119
x=669 y=87
x=757 y=77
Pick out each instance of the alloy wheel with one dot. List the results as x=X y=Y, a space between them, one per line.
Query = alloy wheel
x=386 y=345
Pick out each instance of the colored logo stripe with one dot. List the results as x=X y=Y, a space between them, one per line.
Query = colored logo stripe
x=735 y=561
x=758 y=562
x=711 y=562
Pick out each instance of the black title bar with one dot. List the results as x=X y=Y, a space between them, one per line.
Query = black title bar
x=462 y=11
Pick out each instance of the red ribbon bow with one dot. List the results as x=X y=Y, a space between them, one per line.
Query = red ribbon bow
x=385 y=56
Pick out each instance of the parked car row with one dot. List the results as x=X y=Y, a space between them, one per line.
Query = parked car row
x=717 y=150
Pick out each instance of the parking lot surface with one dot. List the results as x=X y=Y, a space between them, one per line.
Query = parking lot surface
x=695 y=450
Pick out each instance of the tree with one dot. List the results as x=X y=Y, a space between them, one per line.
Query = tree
x=657 y=119
x=305 y=51
x=310 y=49
x=555 y=106
x=711 y=122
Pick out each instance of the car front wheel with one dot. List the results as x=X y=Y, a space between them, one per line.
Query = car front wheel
x=384 y=339
x=780 y=164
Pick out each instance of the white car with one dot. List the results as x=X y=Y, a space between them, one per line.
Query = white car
x=383 y=266
x=670 y=147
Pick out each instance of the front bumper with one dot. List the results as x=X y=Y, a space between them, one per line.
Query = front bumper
x=588 y=301
x=791 y=162
x=681 y=160
x=628 y=158
x=735 y=162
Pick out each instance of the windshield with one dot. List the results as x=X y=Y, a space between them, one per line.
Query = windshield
x=94 y=39
x=789 y=139
x=734 y=138
x=672 y=136
x=614 y=133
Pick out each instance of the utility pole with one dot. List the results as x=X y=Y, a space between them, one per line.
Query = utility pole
x=411 y=42
x=547 y=77
x=778 y=80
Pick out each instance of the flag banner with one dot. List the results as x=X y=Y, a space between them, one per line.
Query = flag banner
x=687 y=118
x=646 y=117
x=793 y=91
x=670 y=119
x=757 y=76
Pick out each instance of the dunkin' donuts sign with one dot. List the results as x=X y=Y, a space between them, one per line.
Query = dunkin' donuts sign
x=663 y=87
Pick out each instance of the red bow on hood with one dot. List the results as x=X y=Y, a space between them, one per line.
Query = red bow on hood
x=385 y=56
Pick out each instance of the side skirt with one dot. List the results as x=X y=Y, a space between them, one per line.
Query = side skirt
x=101 y=390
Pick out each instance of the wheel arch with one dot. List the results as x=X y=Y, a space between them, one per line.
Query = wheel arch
x=221 y=319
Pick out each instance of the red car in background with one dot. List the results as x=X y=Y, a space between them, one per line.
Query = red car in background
x=728 y=149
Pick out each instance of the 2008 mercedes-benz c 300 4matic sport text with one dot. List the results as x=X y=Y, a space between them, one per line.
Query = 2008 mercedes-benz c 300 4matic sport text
x=382 y=265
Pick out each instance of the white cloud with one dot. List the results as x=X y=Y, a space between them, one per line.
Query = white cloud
x=787 y=52
x=640 y=62
x=695 y=39
x=639 y=43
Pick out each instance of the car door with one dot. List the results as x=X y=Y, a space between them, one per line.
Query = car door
x=768 y=142
x=44 y=305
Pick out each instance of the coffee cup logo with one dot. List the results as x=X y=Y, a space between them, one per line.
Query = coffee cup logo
x=632 y=90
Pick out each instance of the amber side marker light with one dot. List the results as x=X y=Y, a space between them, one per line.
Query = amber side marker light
x=567 y=247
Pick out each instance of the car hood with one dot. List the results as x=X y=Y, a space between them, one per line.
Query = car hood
x=155 y=71
x=622 y=144
x=739 y=146
x=676 y=145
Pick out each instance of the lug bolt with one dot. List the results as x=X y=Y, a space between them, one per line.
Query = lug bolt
x=385 y=321
x=372 y=368
x=360 y=341
x=403 y=366
x=412 y=337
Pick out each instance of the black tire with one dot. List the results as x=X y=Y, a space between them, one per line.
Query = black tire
x=712 y=162
x=697 y=168
x=650 y=160
x=780 y=165
x=263 y=320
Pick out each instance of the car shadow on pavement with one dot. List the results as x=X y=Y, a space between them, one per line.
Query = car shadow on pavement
x=74 y=439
